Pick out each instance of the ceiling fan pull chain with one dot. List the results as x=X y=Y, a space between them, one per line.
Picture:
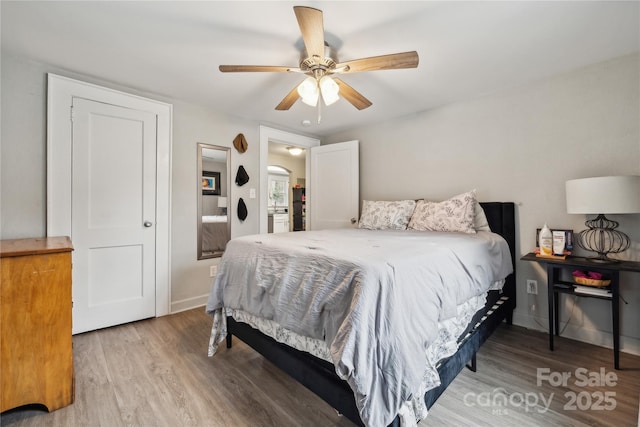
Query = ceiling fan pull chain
x=320 y=101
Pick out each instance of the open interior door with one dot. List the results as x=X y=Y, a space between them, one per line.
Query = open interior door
x=334 y=195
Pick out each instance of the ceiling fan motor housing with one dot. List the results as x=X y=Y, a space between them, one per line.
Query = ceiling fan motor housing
x=310 y=64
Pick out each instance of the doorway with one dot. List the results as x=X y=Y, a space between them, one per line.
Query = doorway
x=279 y=141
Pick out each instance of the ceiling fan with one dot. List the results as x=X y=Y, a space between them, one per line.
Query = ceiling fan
x=320 y=62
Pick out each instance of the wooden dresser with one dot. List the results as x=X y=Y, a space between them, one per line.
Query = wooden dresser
x=35 y=308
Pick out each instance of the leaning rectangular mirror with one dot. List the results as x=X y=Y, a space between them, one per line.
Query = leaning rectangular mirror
x=214 y=226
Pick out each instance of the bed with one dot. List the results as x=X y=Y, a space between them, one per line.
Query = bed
x=215 y=233
x=326 y=361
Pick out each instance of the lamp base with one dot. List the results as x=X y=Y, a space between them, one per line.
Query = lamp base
x=602 y=260
x=603 y=238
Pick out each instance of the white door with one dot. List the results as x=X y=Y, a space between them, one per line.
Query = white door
x=335 y=184
x=106 y=167
x=113 y=214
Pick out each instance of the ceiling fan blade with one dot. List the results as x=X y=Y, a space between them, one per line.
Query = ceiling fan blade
x=384 y=62
x=255 y=68
x=312 y=29
x=289 y=100
x=352 y=95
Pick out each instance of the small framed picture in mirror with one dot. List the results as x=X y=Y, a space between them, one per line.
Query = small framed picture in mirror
x=210 y=183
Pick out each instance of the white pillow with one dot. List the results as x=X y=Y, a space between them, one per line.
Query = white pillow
x=480 y=222
x=455 y=214
x=383 y=215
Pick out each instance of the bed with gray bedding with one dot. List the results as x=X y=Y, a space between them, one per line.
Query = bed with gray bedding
x=215 y=233
x=376 y=298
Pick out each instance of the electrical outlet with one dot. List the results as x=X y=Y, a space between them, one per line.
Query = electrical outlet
x=532 y=287
x=213 y=270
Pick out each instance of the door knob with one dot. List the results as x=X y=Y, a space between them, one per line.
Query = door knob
x=147 y=224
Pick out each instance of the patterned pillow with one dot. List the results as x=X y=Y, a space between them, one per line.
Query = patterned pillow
x=455 y=214
x=382 y=215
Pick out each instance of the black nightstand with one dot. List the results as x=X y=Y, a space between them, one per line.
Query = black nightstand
x=557 y=286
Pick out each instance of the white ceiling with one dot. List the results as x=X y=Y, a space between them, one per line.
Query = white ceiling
x=466 y=49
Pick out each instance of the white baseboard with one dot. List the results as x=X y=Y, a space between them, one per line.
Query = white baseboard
x=629 y=345
x=189 y=303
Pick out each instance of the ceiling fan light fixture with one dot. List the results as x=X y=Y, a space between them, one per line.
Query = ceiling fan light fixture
x=329 y=89
x=309 y=92
x=318 y=59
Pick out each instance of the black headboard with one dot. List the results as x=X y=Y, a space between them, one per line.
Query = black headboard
x=501 y=218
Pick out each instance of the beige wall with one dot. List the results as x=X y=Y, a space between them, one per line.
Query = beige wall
x=193 y=124
x=23 y=169
x=522 y=145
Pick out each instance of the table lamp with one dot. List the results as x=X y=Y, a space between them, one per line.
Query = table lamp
x=222 y=204
x=600 y=196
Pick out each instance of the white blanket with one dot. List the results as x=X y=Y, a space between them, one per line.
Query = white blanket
x=375 y=297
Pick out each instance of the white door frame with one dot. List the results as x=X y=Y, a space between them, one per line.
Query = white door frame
x=61 y=91
x=267 y=135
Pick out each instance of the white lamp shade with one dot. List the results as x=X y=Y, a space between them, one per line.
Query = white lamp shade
x=329 y=89
x=222 y=202
x=309 y=92
x=604 y=195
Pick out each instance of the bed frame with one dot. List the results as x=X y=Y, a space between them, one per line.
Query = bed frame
x=319 y=376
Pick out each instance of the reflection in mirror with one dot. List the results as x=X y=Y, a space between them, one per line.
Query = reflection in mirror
x=278 y=199
x=214 y=226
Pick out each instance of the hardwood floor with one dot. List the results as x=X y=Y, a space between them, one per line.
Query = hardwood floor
x=508 y=365
x=156 y=373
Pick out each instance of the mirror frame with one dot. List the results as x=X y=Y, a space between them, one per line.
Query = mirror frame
x=202 y=146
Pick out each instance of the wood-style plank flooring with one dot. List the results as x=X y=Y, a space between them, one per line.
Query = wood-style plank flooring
x=156 y=373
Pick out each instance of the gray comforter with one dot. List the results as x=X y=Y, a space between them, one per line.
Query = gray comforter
x=375 y=297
